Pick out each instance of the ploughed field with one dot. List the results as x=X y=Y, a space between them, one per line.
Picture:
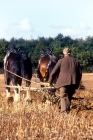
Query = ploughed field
x=38 y=120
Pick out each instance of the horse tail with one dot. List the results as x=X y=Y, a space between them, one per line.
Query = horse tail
x=5 y=60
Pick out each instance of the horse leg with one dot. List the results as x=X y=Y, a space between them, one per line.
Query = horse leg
x=7 y=82
x=28 y=95
x=16 y=90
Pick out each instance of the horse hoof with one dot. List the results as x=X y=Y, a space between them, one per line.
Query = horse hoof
x=17 y=98
x=10 y=99
x=28 y=100
x=8 y=95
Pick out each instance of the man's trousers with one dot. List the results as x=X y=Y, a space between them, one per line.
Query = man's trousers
x=66 y=93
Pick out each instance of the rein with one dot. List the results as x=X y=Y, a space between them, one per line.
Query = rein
x=16 y=75
x=20 y=76
x=45 y=86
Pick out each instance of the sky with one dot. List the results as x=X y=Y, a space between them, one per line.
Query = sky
x=31 y=19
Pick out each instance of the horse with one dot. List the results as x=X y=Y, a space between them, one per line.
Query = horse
x=46 y=64
x=16 y=67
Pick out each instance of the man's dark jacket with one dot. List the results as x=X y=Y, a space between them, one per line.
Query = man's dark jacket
x=69 y=72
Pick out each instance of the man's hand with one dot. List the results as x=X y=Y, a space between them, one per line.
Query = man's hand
x=48 y=84
x=45 y=84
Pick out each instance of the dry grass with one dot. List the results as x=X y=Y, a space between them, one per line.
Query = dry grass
x=43 y=121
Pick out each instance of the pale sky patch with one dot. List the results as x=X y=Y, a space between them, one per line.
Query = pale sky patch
x=69 y=17
x=25 y=25
x=82 y=25
x=66 y=31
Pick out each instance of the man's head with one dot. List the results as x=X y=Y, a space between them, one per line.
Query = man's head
x=66 y=51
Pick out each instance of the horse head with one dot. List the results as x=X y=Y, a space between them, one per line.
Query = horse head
x=13 y=49
x=47 y=51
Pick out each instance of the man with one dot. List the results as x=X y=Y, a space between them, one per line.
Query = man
x=70 y=74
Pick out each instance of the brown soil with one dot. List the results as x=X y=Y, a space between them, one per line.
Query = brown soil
x=87 y=80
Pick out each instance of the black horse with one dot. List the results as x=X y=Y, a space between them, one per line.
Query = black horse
x=46 y=64
x=16 y=65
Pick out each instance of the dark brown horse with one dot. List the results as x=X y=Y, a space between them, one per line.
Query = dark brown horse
x=16 y=67
x=46 y=64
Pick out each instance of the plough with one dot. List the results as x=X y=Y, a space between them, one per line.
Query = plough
x=42 y=87
x=47 y=91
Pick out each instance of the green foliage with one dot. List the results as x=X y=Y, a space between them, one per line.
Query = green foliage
x=81 y=49
x=3 y=48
